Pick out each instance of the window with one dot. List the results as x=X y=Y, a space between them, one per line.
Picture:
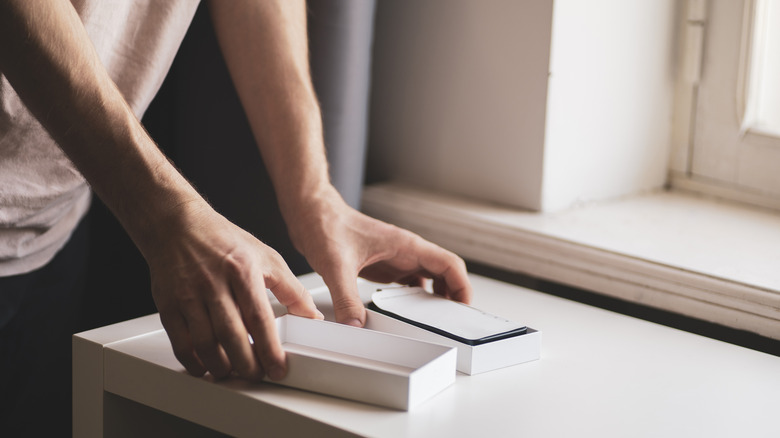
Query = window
x=729 y=143
x=762 y=68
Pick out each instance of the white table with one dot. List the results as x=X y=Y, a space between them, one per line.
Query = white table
x=601 y=374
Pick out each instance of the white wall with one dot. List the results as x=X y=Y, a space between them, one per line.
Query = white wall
x=611 y=91
x=460 y=86
x=461 y=101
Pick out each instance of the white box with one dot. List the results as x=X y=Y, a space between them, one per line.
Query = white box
x=363 y=365
x=471 y=359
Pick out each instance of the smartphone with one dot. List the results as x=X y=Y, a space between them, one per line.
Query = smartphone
x=454 y=320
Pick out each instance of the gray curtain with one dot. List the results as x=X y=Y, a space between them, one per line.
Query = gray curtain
x=340 y=38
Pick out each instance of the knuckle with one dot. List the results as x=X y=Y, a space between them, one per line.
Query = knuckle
x=277 y=260
x=183 y=354
x=193 y=294
x=247 y=370
x=263 y=349
x=400 y=237
x=345 y=302
x=220 y=372
x=204 y=345
x=186 y=297
x=224 y=332
x=235 y=262
x=254 y=317
x=458 y=262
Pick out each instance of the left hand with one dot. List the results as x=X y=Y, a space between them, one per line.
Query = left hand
x=341 y=244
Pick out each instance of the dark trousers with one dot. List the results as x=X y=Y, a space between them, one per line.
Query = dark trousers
x=38 y=314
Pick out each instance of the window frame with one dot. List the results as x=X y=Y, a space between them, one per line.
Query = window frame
x=718 y=149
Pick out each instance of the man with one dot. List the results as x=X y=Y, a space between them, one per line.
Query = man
x=76 y=79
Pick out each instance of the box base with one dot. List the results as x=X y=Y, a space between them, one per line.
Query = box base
x=471 y=359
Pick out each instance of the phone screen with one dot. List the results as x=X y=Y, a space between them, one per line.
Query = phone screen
x=445 y=317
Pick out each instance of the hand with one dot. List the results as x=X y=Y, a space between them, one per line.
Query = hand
x=342 y=244
x=209 y=281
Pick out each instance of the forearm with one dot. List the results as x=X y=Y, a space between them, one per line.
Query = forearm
x=208 y=276
x=49 y=60
x=265 y=46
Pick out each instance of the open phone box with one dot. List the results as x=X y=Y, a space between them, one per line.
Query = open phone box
x=363 y=365
x=473 y=358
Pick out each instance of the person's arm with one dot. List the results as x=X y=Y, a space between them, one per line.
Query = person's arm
x=209 y=277
x=265 y=46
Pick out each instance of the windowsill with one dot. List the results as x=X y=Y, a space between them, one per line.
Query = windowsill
x=702 y=258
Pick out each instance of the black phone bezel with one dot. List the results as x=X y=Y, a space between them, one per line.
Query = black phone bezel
x=473 y=342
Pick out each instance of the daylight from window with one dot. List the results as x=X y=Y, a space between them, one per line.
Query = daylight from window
x=763 y=104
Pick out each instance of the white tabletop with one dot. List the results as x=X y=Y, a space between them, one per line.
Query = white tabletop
x=601 y=374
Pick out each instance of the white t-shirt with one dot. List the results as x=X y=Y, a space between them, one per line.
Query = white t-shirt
x=42 y=195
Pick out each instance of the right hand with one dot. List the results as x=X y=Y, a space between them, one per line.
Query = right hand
x=341 y=244
x=209 y=280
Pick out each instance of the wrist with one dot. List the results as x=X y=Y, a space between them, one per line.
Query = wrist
x=148 y=195
x=164 y=217
x=311 y=212
x=309 y=202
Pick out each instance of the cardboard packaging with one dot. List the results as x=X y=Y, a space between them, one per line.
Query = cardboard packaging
x=472 y=359
x=363 y=365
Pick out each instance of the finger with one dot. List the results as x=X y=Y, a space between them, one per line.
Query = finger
x=233 y=336
x=414 y=280
x=290 y=292
x=440 y=288
x=448 y=268
x=177 y=331
x=259 y=320
x=386 y=273
x=347 y=304
x=204 y=340
x=383 y=273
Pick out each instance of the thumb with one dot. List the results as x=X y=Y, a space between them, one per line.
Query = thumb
x=347 y=304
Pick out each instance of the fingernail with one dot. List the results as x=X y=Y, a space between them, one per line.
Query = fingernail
x=276 y=372
x=320 y=315
x=354 y=323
